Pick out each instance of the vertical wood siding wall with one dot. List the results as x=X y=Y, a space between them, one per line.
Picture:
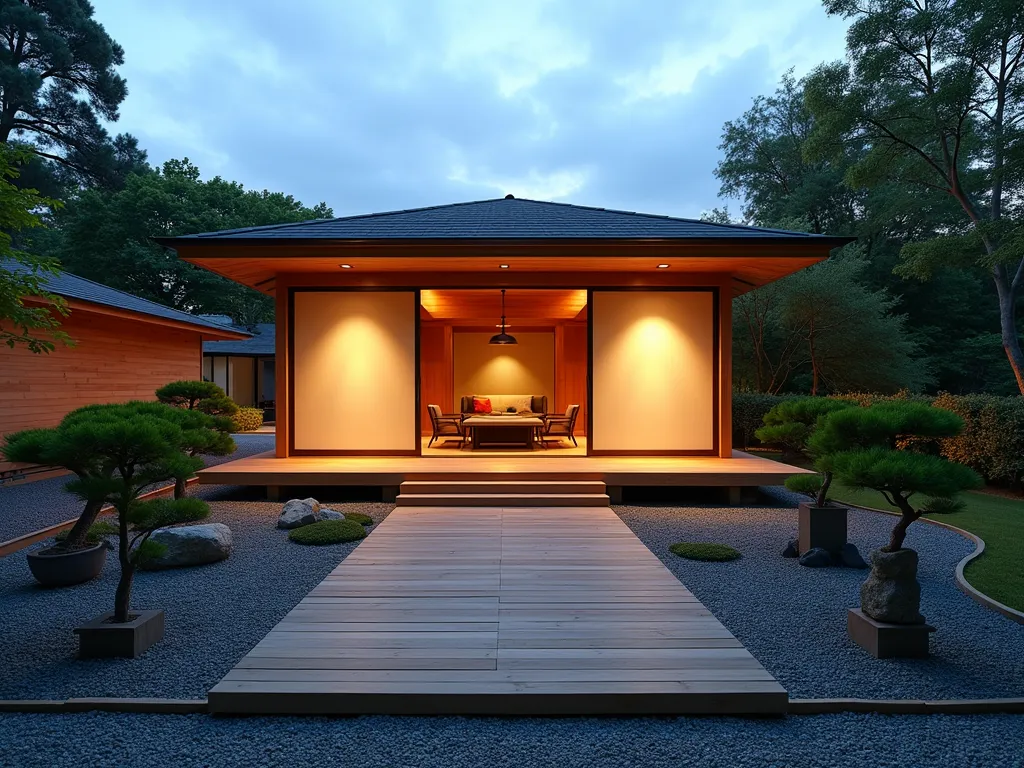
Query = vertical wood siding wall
x=114 y=360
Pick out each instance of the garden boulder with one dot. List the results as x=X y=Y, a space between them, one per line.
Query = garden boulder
x=816 y=558
x=191 y=545
x=892 y=593
x=792 y=549
x=298 y=512
x=330 y=514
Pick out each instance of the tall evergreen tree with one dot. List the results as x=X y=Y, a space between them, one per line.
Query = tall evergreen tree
x=58 y=82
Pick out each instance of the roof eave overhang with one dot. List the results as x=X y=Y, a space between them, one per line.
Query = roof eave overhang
x=825 y=241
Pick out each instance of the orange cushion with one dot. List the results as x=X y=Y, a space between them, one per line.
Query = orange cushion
x=481 y=405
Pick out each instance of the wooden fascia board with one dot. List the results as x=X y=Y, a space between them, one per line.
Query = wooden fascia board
x=207 y=333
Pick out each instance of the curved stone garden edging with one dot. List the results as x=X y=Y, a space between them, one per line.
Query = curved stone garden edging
x=961 y=581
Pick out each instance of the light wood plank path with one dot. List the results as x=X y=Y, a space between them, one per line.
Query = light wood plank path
x=539 y=611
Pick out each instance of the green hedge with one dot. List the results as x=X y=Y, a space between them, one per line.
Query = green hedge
x=992 y=442
x=248 y=419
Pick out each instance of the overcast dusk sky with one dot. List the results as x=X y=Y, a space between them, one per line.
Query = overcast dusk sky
x=385 y=104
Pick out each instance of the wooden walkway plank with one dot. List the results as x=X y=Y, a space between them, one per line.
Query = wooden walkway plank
x=499 y=611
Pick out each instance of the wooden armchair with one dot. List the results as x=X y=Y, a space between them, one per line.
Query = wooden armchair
x=445 y=426
x=557 y=425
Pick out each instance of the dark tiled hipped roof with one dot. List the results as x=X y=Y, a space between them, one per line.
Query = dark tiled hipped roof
x=504 y=219
x=261 y=342
x=73 y=287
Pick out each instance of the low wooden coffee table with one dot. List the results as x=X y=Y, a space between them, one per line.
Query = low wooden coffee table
x=500 y=431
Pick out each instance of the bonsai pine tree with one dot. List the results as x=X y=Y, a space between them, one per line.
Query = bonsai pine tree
x=204 y=411
x=142 y=448
x=790 y=423
x=70 y=446
x=861 y=448
x=202 y=396
x=203 y=434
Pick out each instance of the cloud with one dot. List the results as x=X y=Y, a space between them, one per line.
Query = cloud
x=391 y=104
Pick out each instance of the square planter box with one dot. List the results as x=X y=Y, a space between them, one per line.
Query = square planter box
x=101 y=639
x=823 y=527
x=888 y=641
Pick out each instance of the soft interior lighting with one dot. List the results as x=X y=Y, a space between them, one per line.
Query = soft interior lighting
x=345 y=266
x=663 y=266
x=503 y=266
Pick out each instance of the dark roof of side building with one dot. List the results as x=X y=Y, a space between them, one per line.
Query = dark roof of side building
x=73 y=287
x=505 y=219
x=261 y=342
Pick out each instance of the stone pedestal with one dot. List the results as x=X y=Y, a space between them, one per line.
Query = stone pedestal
x=888 y=641
x=103 y=639
x=821 y=528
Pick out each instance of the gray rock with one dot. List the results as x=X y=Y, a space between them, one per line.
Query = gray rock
x=792 y=549
x=849 y=556
x=816 y=558
x=892 y=592
x=191 y=545
x=330 y=514
x=298 y=512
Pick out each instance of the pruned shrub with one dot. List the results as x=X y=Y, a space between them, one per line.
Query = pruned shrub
x=700 y=550
x=247 y=419
x=992 y=442
x=359 y=517
x=328 y=532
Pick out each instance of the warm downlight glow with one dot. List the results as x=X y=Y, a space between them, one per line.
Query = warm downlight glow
x=355 y=370
x=653 y=371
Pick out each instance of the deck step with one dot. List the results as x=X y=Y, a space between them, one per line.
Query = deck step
x=510 y=487
x=503 y=500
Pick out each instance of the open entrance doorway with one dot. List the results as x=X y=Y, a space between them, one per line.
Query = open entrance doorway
x=524 y=393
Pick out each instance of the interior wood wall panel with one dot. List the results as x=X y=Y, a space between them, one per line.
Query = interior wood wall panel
x=526 y=368
x=436 y=382
x=571 y=371
x=114 y=360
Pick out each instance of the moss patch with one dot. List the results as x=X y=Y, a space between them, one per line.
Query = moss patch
x=358 y=517
x=328 y=532
x=699 y=550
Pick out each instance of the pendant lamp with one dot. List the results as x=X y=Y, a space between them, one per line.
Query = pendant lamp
x=503 y=338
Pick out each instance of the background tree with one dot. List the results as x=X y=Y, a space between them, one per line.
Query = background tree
x=58 y=82
x=23 y=276
x=106 y=236
x=933 y=97
x=822 y=330
x=766 y=165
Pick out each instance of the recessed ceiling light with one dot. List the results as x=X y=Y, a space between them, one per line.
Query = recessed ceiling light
x=663 y=266
x=503 y=266
x=345 y=266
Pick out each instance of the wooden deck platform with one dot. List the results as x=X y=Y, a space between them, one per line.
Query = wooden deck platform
x=491 y=611
x=743 y=469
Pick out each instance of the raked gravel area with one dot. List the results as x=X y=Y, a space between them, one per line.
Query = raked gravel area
x=214 y=614
x=101 y=740
x=30 y=506
x=793 y=618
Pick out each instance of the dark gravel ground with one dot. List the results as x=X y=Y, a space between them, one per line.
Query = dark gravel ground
x=30 y=506
x=101 y=740
x=214 y=614
x=793 y=618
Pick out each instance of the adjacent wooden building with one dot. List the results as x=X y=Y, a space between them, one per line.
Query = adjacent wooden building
x=125 y=348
